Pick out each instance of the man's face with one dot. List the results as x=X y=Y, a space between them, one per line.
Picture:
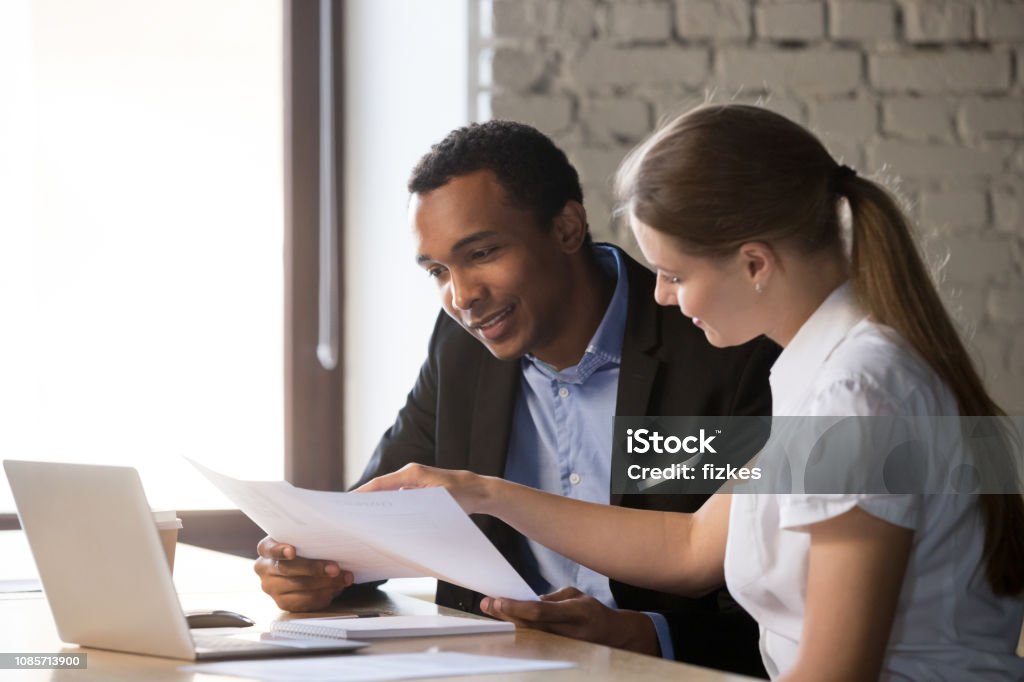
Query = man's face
x=500 y=276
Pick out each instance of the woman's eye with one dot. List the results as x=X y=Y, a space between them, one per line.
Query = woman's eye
x=435 y=272
x=670 y=279
x=482 y=253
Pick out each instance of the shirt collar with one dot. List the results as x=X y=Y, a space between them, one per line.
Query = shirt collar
x=799 y=362
x=606 y=345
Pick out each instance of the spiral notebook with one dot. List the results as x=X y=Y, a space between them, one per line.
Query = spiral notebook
x=388 y=626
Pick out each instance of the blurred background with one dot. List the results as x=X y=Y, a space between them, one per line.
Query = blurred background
x=197 y=195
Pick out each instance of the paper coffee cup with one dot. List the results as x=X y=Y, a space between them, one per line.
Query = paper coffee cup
x=168 y=524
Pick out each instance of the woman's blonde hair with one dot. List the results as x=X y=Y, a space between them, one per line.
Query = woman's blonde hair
x=723 y=175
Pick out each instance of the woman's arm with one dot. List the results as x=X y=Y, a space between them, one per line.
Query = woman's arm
x=665 y=551
x=855 y=573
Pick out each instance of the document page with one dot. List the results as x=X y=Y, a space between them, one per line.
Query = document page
x=383 y=627
x=374 y=668
x=376 y=536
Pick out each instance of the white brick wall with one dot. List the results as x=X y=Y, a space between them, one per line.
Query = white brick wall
x=716 y=19
x=819 y=71
x=516 y=69
x=954 y=208
x=862 y=20
x=1001 y=21
x=927 y=21
x=552 y=113
x=918 y=118
x=1008 y=207
x=926 y=94
x=1002 y=117
x=928 y=160
x=797 y=21
x=646 y=22
x=953 y=71
x=603 y=65
x=613 y=119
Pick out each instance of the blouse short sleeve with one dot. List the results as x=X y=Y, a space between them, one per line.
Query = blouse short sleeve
x=797 y=512
x=850 y=395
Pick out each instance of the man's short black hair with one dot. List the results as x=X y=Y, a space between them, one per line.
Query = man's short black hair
x=535 y=174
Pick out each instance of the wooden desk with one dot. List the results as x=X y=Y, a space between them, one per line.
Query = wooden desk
x=207 y=579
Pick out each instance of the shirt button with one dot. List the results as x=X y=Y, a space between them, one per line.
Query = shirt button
x=574 y=478
x=563 y=392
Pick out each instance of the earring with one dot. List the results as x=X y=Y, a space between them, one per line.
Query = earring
x=759 y=287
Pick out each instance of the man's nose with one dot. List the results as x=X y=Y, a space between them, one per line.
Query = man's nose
x=466 y=291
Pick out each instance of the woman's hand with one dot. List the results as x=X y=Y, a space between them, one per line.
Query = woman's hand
x=470 y=490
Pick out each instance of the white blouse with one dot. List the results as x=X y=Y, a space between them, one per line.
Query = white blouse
x=948 y=624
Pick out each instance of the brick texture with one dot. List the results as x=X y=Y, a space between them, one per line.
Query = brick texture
x=717 y=19
x=811 y=71
x=862 y=20
x=648 y=21
x=797 y=21
x=603 y=65
x=928 y=21
x=926 y=96
x=940 y=72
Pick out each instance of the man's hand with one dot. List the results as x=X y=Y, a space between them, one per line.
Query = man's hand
x=298 y=584
x=574 y=614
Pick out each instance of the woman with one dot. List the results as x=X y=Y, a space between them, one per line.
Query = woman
x=739 y=211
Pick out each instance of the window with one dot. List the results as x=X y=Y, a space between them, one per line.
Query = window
x=398 y=103
x=141 y=230
x=159 y=251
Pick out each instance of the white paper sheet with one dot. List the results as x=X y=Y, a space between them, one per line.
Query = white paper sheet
x=26 y=585
x=374 y=668
x=388 y=626
x=399 y=534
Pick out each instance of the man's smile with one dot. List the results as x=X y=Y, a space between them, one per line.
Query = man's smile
x=493 y=326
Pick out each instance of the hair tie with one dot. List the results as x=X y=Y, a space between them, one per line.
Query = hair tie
x=843 y=171
x=840 y=175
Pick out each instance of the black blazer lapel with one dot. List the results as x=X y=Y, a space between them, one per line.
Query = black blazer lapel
x=490 y=430
x=492 y=416
x=640 y=342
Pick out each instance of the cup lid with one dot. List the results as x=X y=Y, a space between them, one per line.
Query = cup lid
x=167 y=519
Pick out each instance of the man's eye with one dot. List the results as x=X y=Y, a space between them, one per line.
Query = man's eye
x=435 y=272
x=483 y=253
x=671 y=279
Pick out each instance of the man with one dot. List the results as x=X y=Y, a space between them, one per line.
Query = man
x=544 y=337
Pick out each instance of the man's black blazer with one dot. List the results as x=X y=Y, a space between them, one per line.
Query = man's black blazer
x=459 y=415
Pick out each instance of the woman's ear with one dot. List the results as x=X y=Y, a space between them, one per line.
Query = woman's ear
x=570 y=227
x=759 y=263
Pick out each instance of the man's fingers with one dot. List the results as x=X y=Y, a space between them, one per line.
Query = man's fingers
x=282 y=585
x=309 y=568
x=562 y=594
x=305 y=601
x=533 y=612
x=269 y=548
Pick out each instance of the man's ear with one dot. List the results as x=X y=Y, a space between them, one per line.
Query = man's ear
x=569 y=227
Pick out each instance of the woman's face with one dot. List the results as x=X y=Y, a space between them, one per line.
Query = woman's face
x=717 y=294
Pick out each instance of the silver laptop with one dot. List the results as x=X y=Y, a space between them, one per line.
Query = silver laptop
x=104 y=571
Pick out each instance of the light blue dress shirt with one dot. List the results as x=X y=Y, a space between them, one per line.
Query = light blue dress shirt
x=561 y=439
